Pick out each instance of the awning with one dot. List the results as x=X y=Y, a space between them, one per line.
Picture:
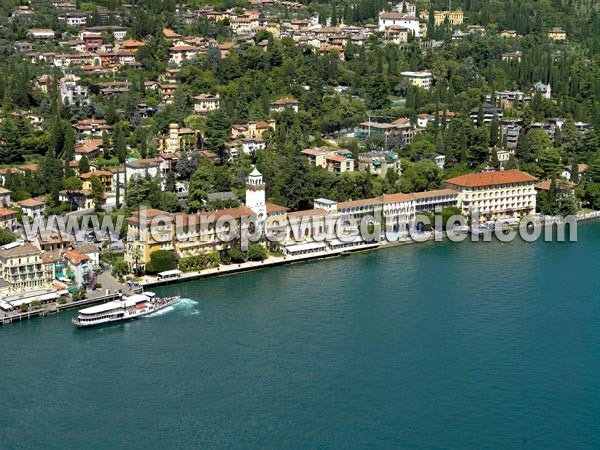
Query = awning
x=170 y=273
x=5 y=306
x=41 y=298
x=309 y=247
x=349 y=240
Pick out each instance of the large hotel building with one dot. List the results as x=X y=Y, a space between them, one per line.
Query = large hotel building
x=508 y=193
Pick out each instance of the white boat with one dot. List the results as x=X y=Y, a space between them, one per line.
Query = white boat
x=128 y=308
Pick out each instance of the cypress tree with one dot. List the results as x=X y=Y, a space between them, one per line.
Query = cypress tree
x=575 y=171
x=118 y=193
x=84 y=165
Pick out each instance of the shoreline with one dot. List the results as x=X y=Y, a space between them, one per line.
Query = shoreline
x=272 y=261
x=276 y=261
x=249 y=266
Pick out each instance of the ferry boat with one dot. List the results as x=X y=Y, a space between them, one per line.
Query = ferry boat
x=127 y=308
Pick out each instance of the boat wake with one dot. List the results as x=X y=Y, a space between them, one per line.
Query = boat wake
x=183 y=304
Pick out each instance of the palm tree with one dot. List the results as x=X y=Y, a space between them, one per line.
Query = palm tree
x=136 y=254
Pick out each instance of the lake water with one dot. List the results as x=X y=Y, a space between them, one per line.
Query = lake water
x=436 y=345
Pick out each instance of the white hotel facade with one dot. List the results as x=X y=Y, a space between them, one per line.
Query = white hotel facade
x=494 y=195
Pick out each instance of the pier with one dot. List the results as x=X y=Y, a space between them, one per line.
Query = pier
x=11 y=317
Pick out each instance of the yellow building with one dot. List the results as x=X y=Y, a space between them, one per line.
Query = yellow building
x=422 y=79
x=557 y=34
x=105 y=177
x=148 y=231
x=273 y=28
x=204 y=232
x=204 y=103
x=454 y=17
x=508 y=193
x=21 y=265
x=331 y=159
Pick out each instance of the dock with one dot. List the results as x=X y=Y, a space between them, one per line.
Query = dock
x=56 y=308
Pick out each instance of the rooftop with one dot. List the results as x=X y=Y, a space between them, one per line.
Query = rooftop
x=6 y=212
x=492 y=178
x=31 y=203
x=436 y=193
x=317 y=212
x=75 y=257
x=18 y=249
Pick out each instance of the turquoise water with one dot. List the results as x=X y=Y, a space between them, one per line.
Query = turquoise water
x=424 y=346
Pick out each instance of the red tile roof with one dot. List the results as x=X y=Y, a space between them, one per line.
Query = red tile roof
x=89 y=146
x=213 y=216
x=492 y=178
x=561 y=185
x=337 y=158
x=272 y=207
x=437 y=193
x=32 y=167
x=358 y=203
x=317 y=212
x=4 y=212
x=31 y=203
x=21 y=250
x=580 y=168
x=396 y=198
x=75 y=257
x=98 y=173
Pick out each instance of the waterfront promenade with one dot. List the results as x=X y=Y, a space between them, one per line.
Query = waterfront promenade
x=150 y=281
x=111 y=287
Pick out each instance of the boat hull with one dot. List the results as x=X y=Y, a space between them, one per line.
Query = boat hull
x=161 y=304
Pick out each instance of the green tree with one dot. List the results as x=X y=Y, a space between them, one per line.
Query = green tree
x=549 y=161
x=531 y=144
x=161 y=261
x=236 y=255
x=201 y=185
x=10 y=149
x=118 y=191
x=219 y=127
x=72 y=184
x=447 y=213
x=170 y=181
x=119 y=268
x=106 y=144
x=571 y=138
x=84 y=165
x=6 y=236
x=97 y=192
x=257 y=252
x=120 y=144
x=592 y=195
x=169 y=202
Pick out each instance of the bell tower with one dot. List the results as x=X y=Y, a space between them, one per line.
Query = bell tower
x=255 y=194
